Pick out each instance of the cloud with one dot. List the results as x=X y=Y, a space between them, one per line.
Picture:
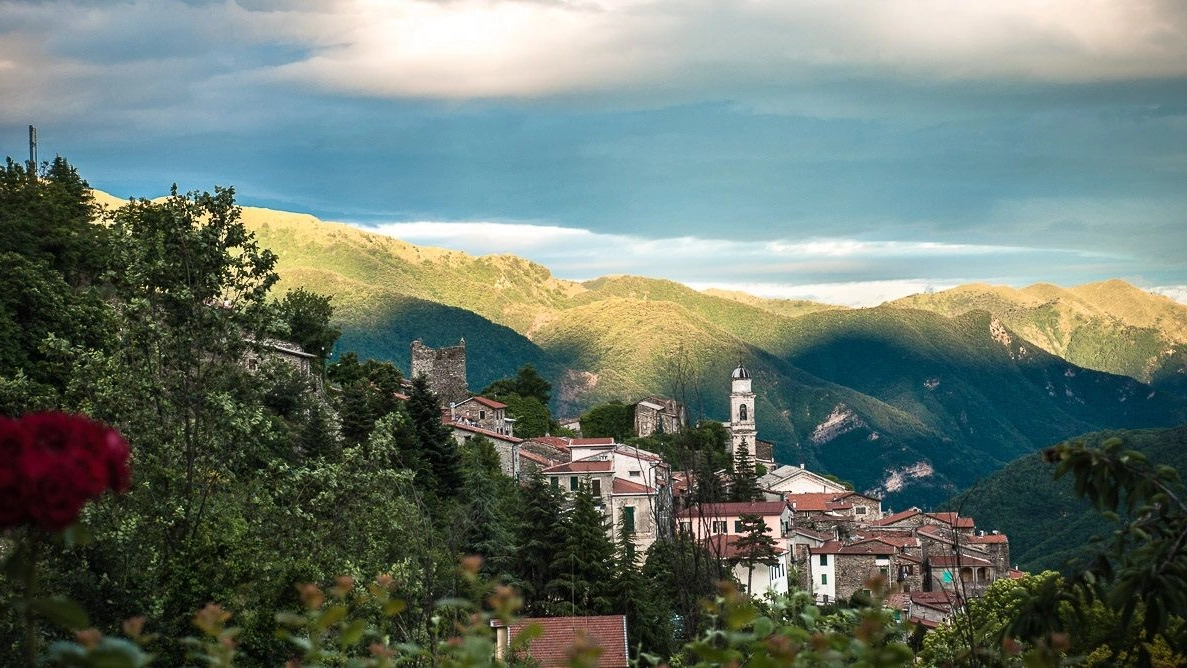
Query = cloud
x=517 y=48
x=843 y=271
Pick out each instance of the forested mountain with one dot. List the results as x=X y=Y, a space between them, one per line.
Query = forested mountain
x=907 y=402
x=1047 y=523
x=1109 y=326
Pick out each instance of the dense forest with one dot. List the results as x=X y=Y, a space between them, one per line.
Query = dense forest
x=274 y=515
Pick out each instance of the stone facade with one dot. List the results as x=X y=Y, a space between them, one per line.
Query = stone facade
x=445 y=369
x=483 y=413
x=658 y=414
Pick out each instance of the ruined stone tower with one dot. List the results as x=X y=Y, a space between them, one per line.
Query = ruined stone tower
x=445 y=369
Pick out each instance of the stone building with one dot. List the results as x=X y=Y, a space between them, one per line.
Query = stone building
x=658 y=414
x=478 y=411
x=444 y=368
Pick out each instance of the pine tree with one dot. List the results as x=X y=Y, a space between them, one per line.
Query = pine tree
x=583 y=570
x=436 y=441
x=743 y=481
x=754 y=545
x=540 y=533
x=648 y=622
x=486 y=529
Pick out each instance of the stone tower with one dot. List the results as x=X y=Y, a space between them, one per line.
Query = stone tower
x=742 y=430
x=445 y=369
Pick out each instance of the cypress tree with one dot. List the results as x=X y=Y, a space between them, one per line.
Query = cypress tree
x=583 y=570
x=540 y=535
x=743 y=482
x=436 y=440
x=755 y=546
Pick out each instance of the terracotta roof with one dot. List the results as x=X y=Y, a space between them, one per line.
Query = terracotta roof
x=904 y=556
x=925 y=623
x=831 y=547
x=946 y=560
x=555 y=441
x=582 y=466
x=489 y=403
x=531 y=456
x=953 y=520
x=726 y=546
x=988 y=539
x=896 y=518
x=624 y=486
x=591 y=441
x=733 y=508
x=869 y=547
x=553 y=647
x=938 y=600
x=1016 y=574
x=494 y=435
x=400 y=396
x=892 y=538
x=933 y=531
x=812 y=501
x=899 y=600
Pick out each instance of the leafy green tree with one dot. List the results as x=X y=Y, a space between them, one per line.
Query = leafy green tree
x=526 y=383
x=612 y=419
x=306 y=316
x=531 y=417
x=754 y=546
x=583 y=569
x=683 y=575
x=648 y=620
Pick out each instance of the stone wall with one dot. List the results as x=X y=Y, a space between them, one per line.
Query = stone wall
x=445 y=369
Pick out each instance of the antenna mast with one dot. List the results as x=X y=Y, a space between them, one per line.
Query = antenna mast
x=32 y=152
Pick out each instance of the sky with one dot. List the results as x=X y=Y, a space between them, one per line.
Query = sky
x=848 y=152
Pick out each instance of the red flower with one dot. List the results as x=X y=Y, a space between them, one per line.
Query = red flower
x=53 y=463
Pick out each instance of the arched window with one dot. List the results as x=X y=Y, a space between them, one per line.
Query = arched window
x=742 y=412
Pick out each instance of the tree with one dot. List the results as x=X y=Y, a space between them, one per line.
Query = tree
x=527 y=383
x=306 y=316
x=754 y=545
x=743 y=481
x=612 y=419
x=540 y=531
x=531 y=417
x=436 y=440
x=583 y=570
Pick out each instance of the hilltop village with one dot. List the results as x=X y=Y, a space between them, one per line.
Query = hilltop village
x=825 y=538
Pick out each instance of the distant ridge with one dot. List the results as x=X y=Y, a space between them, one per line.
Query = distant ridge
x=911 y=399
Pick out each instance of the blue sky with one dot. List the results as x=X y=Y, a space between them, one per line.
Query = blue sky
x=843 y=151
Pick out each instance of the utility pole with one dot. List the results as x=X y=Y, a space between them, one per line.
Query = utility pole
x=32 y=153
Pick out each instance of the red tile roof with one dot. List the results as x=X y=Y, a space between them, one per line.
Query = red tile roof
x=726 y=547
x=582 y=466
x=489 y=403
x=831 y=547
x=812 y=501
x=553 y=648
x=533 y=457
x=938 y=600
x=896 y=518
x=953 y=520
x=624 y=486
x=734 y=508
x=558 y=442
x=635 y=453
x=988 y=539
x=947 y=560
x=493 y=435
x=869 y=547
x=592 y=441
x=893 y=538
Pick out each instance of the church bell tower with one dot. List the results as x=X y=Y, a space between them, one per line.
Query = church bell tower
x=742 y=430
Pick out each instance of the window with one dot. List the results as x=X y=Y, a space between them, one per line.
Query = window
x=824 y=560
x=628 y=519
x=481 y=415
x=572 y=483
x=742 y=412
x=737 y=526
x=824 y=578
x=686 y=527
x=636 y=474
x=597 y=488
x=556 y=481
x=860 y=510
x=718 y=526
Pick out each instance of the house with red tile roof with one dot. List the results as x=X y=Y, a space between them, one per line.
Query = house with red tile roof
x=553 y=642
x=483 y=413
x=506 y=446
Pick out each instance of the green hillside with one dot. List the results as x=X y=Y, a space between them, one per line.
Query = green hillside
x=1046 y=523
x=909 y=402
x=1109 y=326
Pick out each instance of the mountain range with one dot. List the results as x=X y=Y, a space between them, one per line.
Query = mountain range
x=912 y=400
